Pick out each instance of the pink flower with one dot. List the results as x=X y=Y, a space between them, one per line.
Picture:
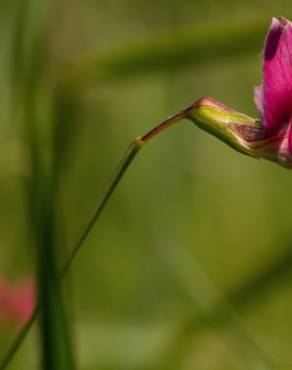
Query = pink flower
x=274 y=97
x=269 y=137
x=17 y=301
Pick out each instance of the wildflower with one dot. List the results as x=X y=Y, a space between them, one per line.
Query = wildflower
x=270 y=136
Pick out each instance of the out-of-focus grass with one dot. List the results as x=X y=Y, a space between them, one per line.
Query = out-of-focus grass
x=231 y=212
x=175 y=50
x=29 y=68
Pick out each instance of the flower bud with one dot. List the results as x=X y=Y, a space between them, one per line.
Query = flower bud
x=234 y=128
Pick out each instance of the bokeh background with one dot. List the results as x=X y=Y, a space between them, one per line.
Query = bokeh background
x=189 y=266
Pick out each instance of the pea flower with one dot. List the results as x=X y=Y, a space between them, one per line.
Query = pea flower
x=270 y=136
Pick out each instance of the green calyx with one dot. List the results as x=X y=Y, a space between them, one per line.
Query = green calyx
x=221 y=121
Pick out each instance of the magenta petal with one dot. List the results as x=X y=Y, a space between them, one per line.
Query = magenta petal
x=277 y=79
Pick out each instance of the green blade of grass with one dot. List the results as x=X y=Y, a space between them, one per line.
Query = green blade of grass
x=30 y=39
x=176 y=50
x=215 y=309
x=56 y=349
x=265 y=280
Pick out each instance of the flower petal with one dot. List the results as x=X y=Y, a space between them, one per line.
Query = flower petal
x=277 y=71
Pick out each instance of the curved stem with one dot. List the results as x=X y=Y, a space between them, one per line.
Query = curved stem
x=14 y=346
x=126 y=160
x=169 y=121
x=120 y=170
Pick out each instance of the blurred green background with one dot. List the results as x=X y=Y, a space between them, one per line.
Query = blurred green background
x=190 y=214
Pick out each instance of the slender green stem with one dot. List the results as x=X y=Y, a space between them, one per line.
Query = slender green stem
x=126 y=160
x=120 y=170
x=130 y=154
